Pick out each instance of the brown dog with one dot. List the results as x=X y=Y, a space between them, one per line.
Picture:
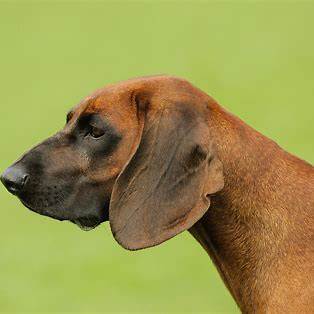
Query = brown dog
x=157 y=156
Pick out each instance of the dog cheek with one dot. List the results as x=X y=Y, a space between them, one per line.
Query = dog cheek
x=86 y=200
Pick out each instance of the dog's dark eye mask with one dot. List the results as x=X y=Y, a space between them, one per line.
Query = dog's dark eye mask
x=94 y=136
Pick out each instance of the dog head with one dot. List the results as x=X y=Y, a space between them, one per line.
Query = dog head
x=138 y=153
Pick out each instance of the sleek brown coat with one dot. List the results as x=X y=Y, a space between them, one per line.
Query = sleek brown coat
x=165 y=157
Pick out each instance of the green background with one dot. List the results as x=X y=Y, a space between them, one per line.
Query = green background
x=257 y=59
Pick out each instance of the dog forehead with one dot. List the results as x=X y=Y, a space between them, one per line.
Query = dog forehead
x=102 y=101
x=116 y=99
x=115 y=107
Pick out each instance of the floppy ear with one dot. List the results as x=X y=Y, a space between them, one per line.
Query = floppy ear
x=166 y=186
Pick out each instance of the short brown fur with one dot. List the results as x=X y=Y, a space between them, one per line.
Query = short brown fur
x=259 y=230
x=248 y=202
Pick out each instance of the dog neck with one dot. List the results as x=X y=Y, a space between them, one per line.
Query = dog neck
x=259 y=228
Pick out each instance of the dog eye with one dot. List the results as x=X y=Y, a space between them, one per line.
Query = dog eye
x=96 y=132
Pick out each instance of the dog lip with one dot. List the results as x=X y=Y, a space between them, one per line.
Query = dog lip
x=26 y=205
x=41 y=211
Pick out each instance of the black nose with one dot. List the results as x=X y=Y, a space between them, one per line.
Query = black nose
x=14 y=179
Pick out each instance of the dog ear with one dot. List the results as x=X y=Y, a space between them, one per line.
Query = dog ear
x=166 y=186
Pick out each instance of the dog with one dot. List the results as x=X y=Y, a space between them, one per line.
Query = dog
x=156 y=156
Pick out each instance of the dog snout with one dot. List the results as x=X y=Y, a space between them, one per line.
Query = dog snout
x=14 y=179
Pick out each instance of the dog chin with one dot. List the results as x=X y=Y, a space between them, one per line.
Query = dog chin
x=87 y=223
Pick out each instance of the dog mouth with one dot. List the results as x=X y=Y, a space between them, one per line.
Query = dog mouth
x=41 y=211
x=86 y=223
x=85 y=216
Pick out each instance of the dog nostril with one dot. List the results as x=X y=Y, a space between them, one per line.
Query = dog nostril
x=14 y=179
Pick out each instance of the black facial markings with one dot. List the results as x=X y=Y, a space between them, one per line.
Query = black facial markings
x=34 y=161
x=45 y=195
x=96 y=146
x=55 y=171
x=196 y=157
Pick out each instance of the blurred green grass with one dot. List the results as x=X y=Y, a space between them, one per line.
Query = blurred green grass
x=257 y=59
